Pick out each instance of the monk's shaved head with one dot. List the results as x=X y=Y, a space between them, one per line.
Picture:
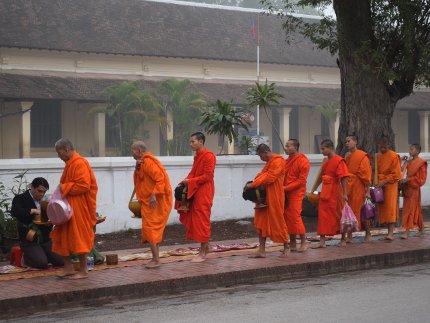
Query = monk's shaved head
x=64 y=143
x=263 y=148
x=139 y=145
x=417 y=147
x=327 y=143
x=295 y=143
x=384 y=141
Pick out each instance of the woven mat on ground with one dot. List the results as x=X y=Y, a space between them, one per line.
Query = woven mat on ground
x=133 y=259
x=359 y=236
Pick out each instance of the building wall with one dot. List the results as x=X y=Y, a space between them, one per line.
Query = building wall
x=42 y=60
x=309 y=127
x=114 y=178
x=400 y=124
x=10 y=129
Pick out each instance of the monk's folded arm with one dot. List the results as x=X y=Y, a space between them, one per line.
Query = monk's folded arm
x=304 y=171
x=269 y=176
x=81 y=185
x=208 y=172
x=155 y=173
x=419 y=179
x=364 y=173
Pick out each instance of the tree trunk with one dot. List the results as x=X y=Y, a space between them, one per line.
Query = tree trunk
x=366 y=104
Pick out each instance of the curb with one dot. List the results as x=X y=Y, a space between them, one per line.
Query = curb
x=93 y=296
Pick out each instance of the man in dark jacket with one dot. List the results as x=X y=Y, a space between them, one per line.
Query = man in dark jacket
x=33 y=232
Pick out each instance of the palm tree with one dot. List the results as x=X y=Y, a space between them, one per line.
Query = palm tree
x=329 y=112
x=129 y=107
x=222 y=120
x=178 y=98
x=264 y=96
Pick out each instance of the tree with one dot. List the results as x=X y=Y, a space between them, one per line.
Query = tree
x=264 y=96
x=383 y=53
x=184 y=103
x=130 y=107
x=224 y=119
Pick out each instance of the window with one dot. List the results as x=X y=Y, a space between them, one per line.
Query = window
x=45 y=123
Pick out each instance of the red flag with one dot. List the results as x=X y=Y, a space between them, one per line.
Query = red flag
x=252 y=27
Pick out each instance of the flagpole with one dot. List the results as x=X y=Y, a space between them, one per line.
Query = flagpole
x=258 y=76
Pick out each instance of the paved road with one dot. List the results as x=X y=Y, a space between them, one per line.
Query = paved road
x=399 y=294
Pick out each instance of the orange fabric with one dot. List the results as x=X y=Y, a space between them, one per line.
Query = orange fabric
x=360 y=176
x=201 y=187
x=417 y=175
x=78 y=184
x=389 y=169
x=331 y=197
x=296 y=174
x=152 y=178
x=269 y=221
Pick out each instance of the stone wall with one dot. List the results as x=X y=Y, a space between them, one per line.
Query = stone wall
x=114 y=177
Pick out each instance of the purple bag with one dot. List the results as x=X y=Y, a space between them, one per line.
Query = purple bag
x=377 y=194
x=368 y=211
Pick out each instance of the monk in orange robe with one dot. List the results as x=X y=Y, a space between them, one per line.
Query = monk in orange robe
x=388 y=176
x=154 y=193
x=201 y=189
x=296 y=173
x=333 y=193
x=78 y=184
x=360 y=176
x=416 y=171
x=269 y=221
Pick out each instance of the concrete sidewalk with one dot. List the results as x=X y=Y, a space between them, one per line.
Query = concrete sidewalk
x=25 y=296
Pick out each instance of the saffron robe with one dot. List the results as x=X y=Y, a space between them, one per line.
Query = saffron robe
x=360 y=176
x=417 y=174
x=151 y=177
x=202 y=189
x=78 y=184
x=389 y=169
x=296 y=173
x=331 y=197
x=269 y=221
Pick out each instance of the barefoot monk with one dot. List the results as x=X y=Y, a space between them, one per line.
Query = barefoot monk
x=416 y=177
x=269 y=221
x=296 y=173
x=154 y=193
x=78 y=184
x=388 y=166
x=201 y=188
x=333 y=193
x=358 y=182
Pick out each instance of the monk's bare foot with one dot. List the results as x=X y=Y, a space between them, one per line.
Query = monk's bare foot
x=152 y=264
x=303 y=247
x=318 y=246
x=421 y=233
x=257 y=255
x=367 y=238
x=386 y=238
x=198 y=258
x=404 y=236
x=293 y=248
x=342 y=243
x=284 y=254
x=78 y=275
x=66 y=274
